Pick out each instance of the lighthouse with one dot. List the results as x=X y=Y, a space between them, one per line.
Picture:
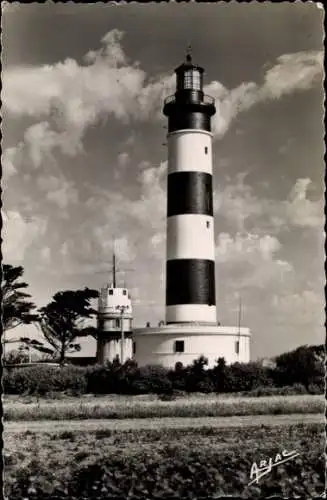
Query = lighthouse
x=191 y=328
x=190 y=260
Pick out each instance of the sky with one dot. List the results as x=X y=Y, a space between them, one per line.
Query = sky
x=84 y=155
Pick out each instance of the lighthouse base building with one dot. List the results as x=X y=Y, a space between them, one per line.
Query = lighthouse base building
x=166 y=345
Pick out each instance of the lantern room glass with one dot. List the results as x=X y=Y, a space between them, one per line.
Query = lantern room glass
x=190 y=80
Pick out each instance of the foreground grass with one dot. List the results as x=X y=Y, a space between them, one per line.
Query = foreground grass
x=161 y=463
x=133 y=408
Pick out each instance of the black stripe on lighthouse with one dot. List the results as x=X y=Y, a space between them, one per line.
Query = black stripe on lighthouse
x=190 y=281
x=189 y=193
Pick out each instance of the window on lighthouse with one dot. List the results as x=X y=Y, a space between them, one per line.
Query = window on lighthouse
x=179 y=346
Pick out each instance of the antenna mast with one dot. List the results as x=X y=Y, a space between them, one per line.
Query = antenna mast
x=189 y=53
x=239 y=322
x=114 y=267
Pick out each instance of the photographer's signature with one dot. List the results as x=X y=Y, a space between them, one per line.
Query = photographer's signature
x=265 y=466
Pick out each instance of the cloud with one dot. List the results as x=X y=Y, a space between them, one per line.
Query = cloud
x=45 y=255
x=138 y=225
x=58 y=190
x=40 y=141
x=67 y=97
x=103 y=239
x=237 y=203
x=123 y=159
x=7 y=162
x=248 y=260
x=19 y=234
x=246 y=247
x=292 y=72
x=299 y=71
x=305 y=308
x=150 y=209
x=300 y=211
x=74 y=96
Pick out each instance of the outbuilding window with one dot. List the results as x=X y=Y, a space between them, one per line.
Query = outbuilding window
x=124 y=292
x=134 y=348
x=206 y=150
x=179 y=346
x=117 y=323
x=111 y=292
x=237 y=347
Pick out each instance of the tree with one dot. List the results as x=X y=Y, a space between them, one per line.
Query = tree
x=62 y=321
x=16 y=308
x=219 y=375
x=198 y=378
x=303 y=365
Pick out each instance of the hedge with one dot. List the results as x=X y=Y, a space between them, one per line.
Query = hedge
x=113 y=378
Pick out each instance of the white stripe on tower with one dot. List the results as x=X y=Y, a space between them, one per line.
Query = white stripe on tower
x=190 y=236
x=190 y=150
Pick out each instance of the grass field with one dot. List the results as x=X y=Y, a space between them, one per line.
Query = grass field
x=189 y=462
x=134 y=407
x=57 y=426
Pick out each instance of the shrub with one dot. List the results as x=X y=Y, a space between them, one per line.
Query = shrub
x=245 y=377
x=316 y=389
x=303 y=365
x=153 y=379
x=41 y=380
x=98 y=379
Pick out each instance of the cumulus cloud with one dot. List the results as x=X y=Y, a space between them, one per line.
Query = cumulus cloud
x=247 y=247
x=250 y=261
x=138 y=225
x=74 y=96
x=238 y=204
x=301 y=211
x=58 y=190
x=151 y=207
x=292 y=72
x=7 y=163
x=305 y=308
x=19 y=234
x=299 y=71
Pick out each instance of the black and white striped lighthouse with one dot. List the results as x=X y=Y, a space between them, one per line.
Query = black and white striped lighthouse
x=191 y=328
x=190 y=266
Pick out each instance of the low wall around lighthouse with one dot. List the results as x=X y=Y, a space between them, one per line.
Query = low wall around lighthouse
x=169 y=344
